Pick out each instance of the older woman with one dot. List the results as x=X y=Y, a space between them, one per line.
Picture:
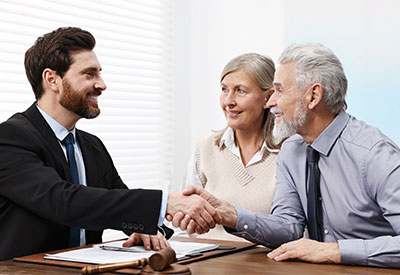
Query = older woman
x=238 y=163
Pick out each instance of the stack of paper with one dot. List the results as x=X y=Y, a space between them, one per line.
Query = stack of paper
x=114 y=252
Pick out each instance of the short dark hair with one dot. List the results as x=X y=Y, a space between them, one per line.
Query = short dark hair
x=53 y=51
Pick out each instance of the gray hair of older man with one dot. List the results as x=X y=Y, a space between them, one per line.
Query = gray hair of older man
x=315 y=63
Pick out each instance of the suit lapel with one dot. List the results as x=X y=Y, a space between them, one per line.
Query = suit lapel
x=50 y=141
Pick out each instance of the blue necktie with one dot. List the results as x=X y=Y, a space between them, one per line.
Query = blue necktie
x=314 y=204
x=74 y=237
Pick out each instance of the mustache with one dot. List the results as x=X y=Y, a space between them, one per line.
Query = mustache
x=276 y=110
x=95 y=92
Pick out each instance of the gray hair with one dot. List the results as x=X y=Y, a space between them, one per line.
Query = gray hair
x=315 y=63
x=261 y=69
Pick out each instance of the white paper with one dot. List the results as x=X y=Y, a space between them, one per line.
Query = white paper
x=98 y=255
x=181 y=248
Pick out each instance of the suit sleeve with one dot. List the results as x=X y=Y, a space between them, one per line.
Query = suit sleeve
x=28 y=178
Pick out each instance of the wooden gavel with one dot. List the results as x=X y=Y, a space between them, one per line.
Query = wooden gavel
x=158 y=261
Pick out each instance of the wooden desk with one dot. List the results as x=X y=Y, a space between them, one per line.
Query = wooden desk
x=252 y=261
x=255 y=261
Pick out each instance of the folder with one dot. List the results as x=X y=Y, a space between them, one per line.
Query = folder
x=114 y=252
x=232 y=247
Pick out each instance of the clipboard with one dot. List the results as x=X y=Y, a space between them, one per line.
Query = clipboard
x=232 y=245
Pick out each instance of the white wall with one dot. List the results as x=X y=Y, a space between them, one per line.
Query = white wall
x=363 y=33
x=365 y=36
x=208 y=34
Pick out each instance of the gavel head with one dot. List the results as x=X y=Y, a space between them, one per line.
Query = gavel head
x=161 y=260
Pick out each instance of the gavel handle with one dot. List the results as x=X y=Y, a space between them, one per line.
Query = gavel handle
x=93 y=269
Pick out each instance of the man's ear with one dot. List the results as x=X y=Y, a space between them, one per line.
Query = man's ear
x=50 y=80
x=268 y=95
x=314 y=96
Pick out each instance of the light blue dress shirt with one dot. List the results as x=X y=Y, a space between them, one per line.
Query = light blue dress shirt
x=60 y=132
x=360 y=189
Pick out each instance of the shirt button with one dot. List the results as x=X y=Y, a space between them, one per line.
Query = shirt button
x=320 y=198
x=243 y=235
x=326 y=231
x=245 y=227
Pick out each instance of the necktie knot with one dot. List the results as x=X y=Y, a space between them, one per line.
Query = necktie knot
x=312 y=154
x=69 y=139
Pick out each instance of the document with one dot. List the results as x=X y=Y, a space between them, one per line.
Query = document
x=113 y=252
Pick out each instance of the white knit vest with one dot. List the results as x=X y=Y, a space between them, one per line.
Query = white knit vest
x=223 y=174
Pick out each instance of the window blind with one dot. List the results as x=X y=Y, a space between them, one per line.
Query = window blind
x=134 y=47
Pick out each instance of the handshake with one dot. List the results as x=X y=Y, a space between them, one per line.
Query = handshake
x=194 y=210
x=197 y=211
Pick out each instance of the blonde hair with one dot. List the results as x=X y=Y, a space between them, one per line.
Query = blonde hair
x=261 y=68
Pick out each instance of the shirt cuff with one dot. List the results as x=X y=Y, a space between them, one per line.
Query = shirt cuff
x=353 y=251
x=245 y=225
x=163 y=208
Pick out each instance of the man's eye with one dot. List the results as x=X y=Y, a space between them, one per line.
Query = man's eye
x=89 y=74
x=224 y=90
x=241 y=91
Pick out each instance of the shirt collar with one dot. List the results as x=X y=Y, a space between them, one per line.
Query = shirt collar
x=60 y=131
x=325 y=141
x=228 y=139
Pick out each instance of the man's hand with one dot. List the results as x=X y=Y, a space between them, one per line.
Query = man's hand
x=307 y=250
x=203 y=214
x=226 y=210
x=155 y=242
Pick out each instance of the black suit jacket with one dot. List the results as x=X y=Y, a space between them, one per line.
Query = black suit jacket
x=39 y=203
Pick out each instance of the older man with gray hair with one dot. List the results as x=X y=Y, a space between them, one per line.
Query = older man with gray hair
x=337 y=177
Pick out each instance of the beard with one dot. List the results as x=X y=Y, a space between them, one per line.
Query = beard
x=285 y=128
x=77 y=102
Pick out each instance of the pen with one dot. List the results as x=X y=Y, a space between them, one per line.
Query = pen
x=125 y=249
x=189 y=256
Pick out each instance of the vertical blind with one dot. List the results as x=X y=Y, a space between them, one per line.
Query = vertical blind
x=134 y=47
